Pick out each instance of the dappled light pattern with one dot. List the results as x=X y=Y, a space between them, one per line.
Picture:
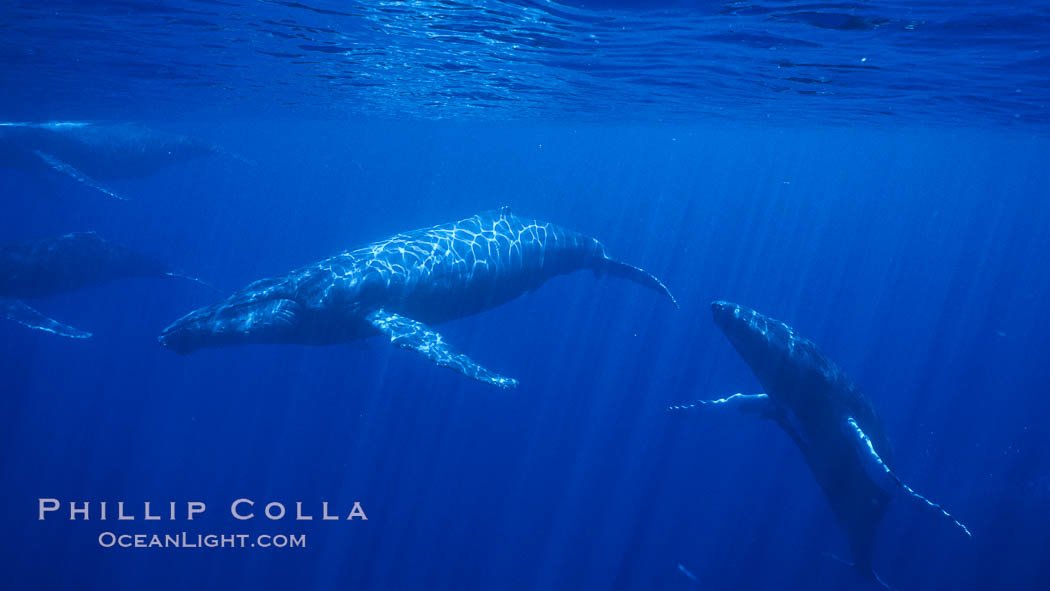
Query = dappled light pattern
x=484 y=248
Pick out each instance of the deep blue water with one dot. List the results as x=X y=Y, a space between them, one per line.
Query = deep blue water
x=874 y=175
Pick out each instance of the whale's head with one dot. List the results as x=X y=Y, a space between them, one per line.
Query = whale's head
x=235 y=321
x=788 y=366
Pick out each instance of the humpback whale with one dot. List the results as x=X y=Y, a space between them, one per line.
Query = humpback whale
x=37 y=268
x=827 y=416
x=87 y=152
x=398 y=286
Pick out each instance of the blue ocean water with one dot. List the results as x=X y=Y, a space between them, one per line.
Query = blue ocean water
x=873 y=174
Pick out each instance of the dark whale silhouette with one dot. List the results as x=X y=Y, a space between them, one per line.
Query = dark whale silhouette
x=397 y=286
x=38 y=268
x=90 y=152
x=827 y=416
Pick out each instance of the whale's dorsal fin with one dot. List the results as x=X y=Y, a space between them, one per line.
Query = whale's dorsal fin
x=411 y=334
x=500 y=213
x=21 y=313
x=75 y=174
x=881 y=473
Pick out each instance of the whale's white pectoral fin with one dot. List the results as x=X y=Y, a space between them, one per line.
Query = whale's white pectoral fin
x=75 y=174
x=411 y=334
x=751 y=404
x=881 y=473
x=21 y=313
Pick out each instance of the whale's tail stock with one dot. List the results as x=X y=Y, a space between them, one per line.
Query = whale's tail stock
x=621 y=269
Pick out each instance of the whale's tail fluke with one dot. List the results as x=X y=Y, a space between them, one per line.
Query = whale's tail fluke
x=641 y=276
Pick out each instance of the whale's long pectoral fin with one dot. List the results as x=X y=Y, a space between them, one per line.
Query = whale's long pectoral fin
x=751 y=404
x=881 y=473
x=756 y=405
x=21 y=313
x=411 y=334
x=75 y=174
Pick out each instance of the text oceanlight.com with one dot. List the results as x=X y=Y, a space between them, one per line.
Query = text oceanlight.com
x=187 y=540
x=146 y=513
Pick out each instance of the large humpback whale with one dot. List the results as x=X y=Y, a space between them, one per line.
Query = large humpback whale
x=90 y=152
x=396 y=287
x=38 y=268
x=827 y=416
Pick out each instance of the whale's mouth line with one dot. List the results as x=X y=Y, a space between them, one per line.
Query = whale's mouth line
x=166 y=340
x=244 y=322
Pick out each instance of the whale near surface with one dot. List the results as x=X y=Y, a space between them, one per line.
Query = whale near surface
x=94 y=152
x=38 y=268
x=828 y=417
x=399 y=286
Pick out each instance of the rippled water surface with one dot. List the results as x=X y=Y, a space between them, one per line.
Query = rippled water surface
x=979 y=62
